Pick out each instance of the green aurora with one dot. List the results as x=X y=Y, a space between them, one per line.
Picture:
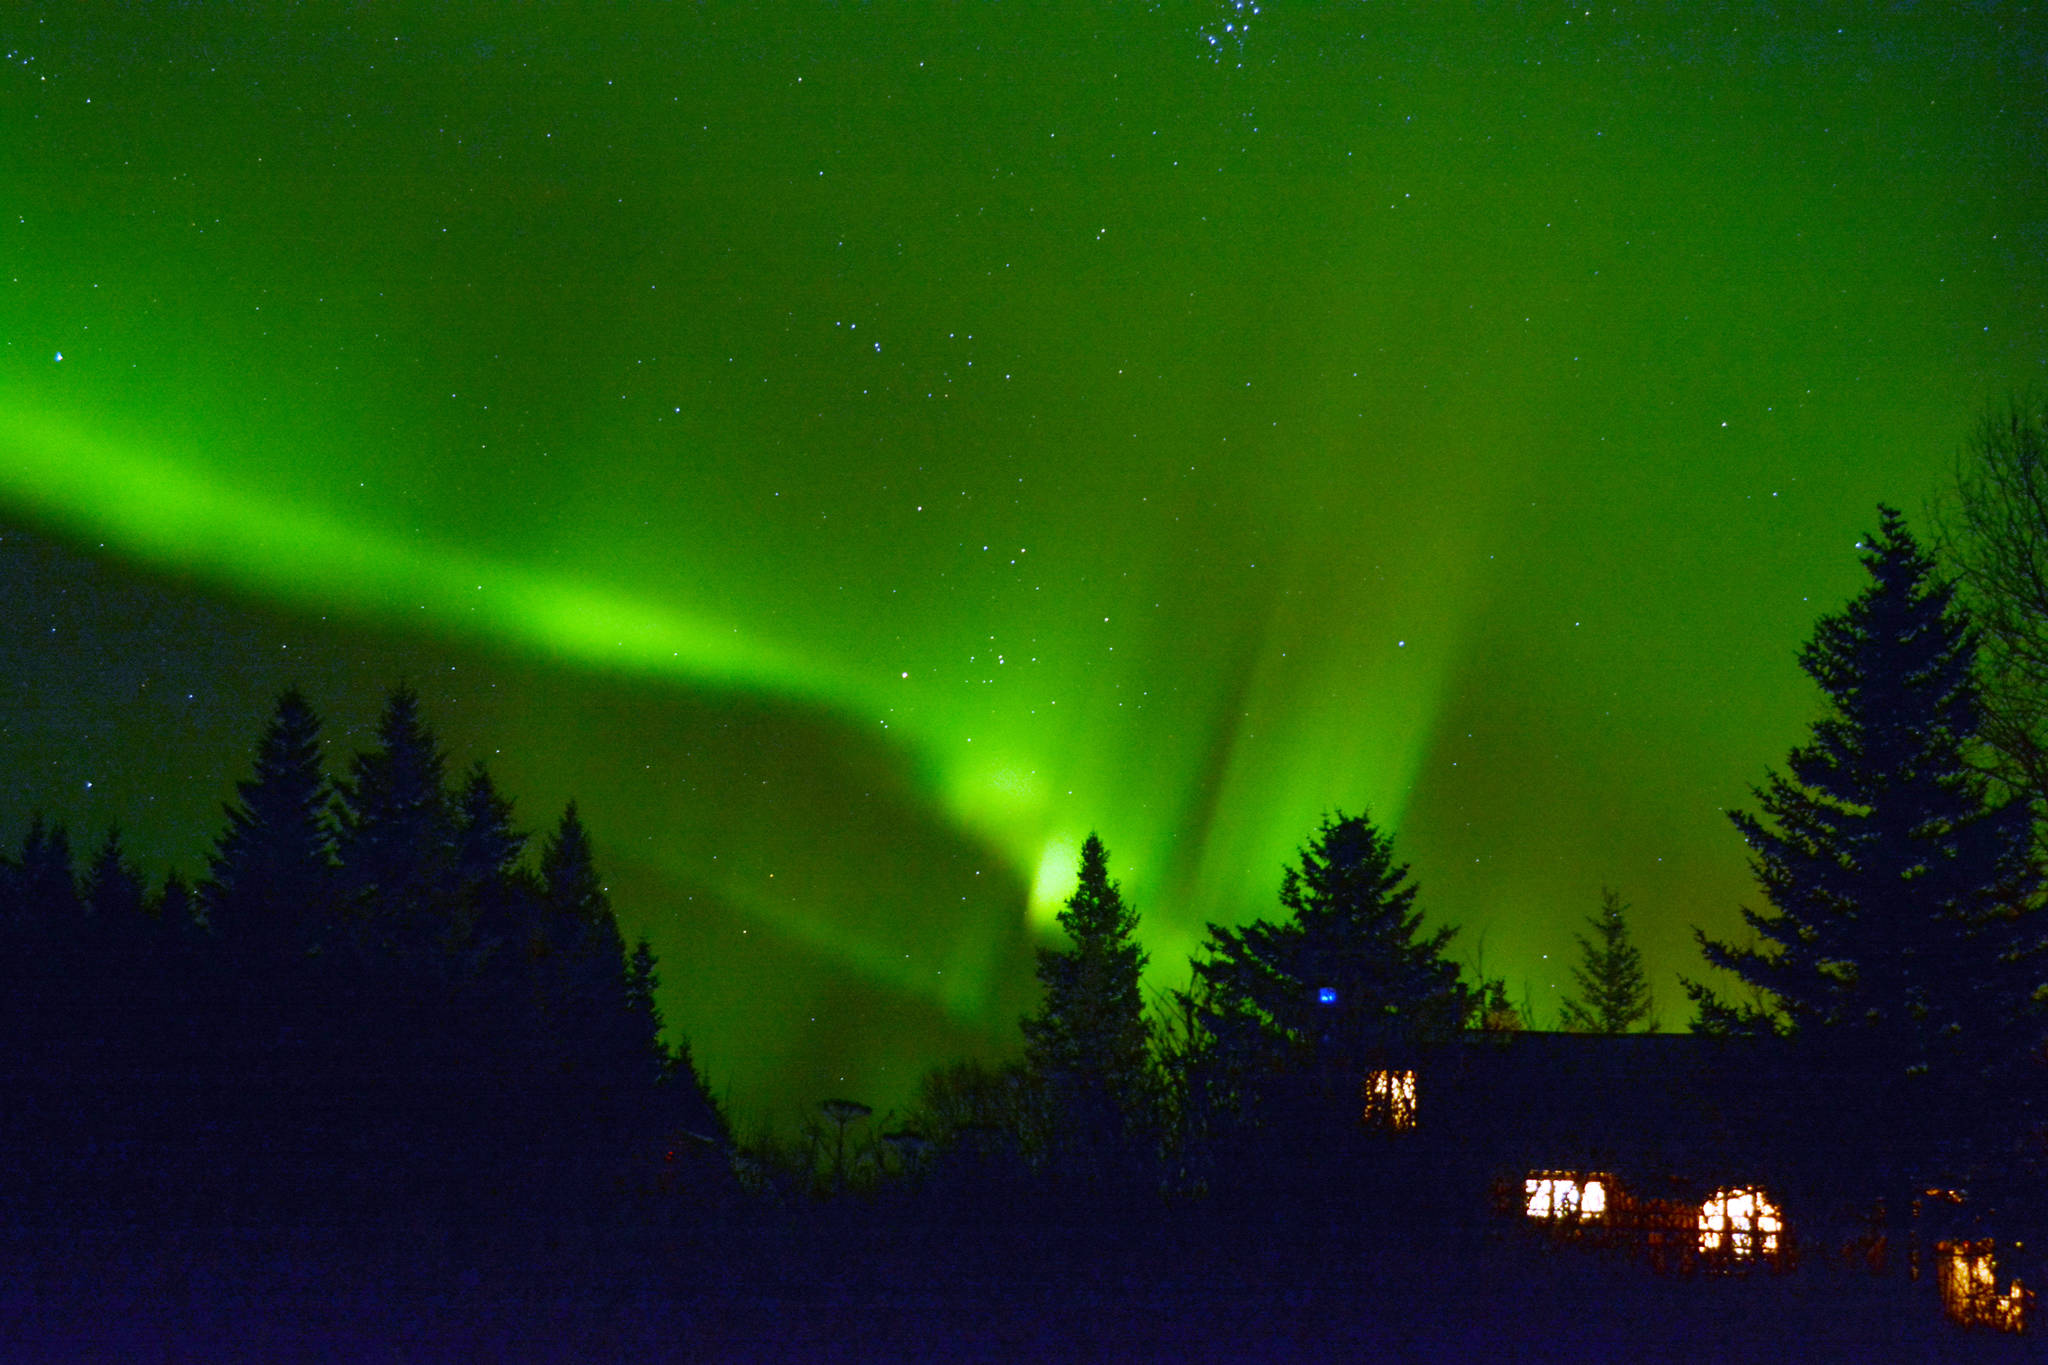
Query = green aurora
x=856 y=451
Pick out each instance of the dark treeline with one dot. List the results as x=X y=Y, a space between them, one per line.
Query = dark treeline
x=1871 y=1059
x=379 y=1015
x=372 y=1009
x=1890 y=1009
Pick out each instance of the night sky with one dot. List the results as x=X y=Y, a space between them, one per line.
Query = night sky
x=857 y=450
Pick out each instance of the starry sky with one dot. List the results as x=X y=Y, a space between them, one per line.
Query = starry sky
x=857 y=450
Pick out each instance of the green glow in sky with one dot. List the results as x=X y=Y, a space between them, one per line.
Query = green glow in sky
x=875 y=447
x=162 y=509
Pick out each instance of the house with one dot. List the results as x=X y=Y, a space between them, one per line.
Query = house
x=1658 y=1140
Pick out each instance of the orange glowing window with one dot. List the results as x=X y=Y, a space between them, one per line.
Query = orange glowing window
x=1969 y=1288
x=1551 y=1196
x=1740 y=1225
x=1389 y=1100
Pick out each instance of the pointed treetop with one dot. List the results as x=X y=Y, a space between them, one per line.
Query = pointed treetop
x=1096 y=906
x=1899 y=893
x=113 y=888
x=45 y=882
x=1347 y=869
x=1614 y=995
x=174 y=906
x=643 y=983
x=279 y=841
x=1089 y=1040
x=486 y=844
x=397 y=832
x=568 y=871
x=1349 y=970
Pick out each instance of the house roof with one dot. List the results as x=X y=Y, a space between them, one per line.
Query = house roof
x=1665 y=1101
x=1670 y=1107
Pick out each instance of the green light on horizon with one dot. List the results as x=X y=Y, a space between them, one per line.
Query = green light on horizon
x=167 y=512
x=1015 y=429
x=158 y=511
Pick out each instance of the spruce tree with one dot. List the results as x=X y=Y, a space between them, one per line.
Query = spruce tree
x=118 y=931
x=686 y=1099
x=397 y=837
x=1349 y=974
x=270 y=879
x=494 y=893
x=1901 y=943
x=570 y=887
x=578 y=948
x=1614 y=996
x=598 y=1093
x=42 y=962
x=1088 y=1042
x=44 y=881
x=251 y=1028
x=174 y=908
x=114 y=892
x=642 y=1029
x=487 y=846
x=682 y=1104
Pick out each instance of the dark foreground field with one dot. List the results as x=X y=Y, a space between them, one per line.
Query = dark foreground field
x=866 y=1282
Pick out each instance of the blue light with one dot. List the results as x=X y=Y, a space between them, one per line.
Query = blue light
x=1326 y=995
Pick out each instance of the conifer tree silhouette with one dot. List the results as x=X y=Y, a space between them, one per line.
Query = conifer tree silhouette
x=1901 y=945
x=1614 y=996
x=487 y=846
x=116 y=941
x=270 y=881
x=174 y=907
x=1350 y=972
x=1089 y=1041
x=497 y=899
x=683 y=1106
x=43 y=951
x=396 y=844
x=43 y=881
x=577 y=954
x=570 y=886
x=641 y=1024
x=113 y=889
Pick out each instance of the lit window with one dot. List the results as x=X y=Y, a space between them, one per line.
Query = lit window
x=1326 y=995
x=1969 y=1288
x=1739 y=1224
x=1389 y=1098
x=1565 y=1197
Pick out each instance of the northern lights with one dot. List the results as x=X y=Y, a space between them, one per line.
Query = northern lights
x=858 y=452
